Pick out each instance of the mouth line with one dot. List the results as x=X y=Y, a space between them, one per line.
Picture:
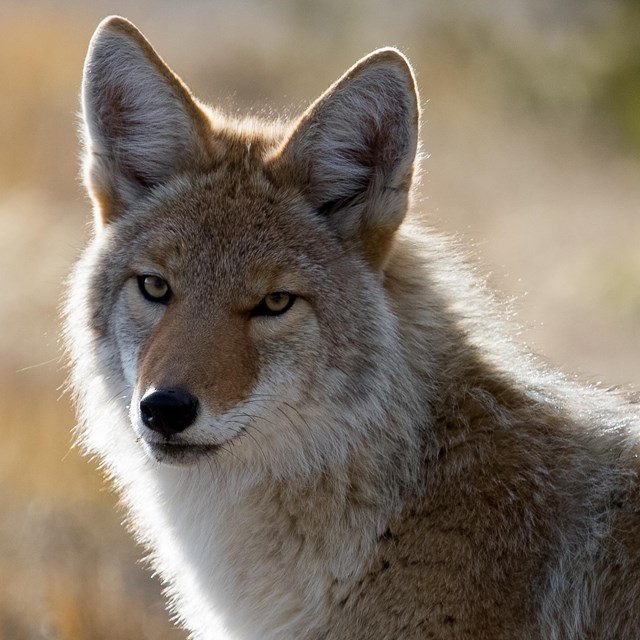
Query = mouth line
x=179 y=453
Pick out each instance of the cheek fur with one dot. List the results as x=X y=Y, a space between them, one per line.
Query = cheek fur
x=133 y=320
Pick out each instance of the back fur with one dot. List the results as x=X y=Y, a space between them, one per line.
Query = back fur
x=380 y=461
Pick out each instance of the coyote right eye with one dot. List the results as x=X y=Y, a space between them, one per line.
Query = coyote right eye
x=154 y=288
x=275 y=304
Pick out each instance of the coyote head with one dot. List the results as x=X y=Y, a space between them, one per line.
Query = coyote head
x=233 y=299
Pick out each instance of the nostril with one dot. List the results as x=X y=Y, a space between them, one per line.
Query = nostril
x=145 y=411
x=168 y=411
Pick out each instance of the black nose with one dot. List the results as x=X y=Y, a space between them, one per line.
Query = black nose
x=168 y=411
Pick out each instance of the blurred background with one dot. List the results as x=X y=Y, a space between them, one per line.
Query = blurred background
x=532 y=128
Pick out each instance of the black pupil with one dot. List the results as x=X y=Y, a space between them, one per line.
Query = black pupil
x=279 y=299
x=155 y=286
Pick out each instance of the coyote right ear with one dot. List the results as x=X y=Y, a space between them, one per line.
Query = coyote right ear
x=142 y=126
x=353 y=151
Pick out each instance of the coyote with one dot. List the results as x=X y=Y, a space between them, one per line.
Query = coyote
x=317 y=422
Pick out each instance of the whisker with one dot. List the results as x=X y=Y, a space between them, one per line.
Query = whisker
x=243 y=430
x=213 y=475
x=225 y=447
x=39 y=365
x=254 y=417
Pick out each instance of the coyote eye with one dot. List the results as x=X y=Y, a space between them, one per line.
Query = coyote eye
x=154 y=288
x=274 y=304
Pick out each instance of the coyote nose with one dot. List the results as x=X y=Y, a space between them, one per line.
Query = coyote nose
x=168 y=411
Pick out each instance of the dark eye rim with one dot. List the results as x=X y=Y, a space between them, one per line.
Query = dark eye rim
x=147 y=296
x=261 y=308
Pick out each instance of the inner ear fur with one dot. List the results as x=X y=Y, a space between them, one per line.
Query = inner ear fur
x=352 y=153
x=141 y=124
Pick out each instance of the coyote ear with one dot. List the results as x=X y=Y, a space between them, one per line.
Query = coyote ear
x=354 y=149
x=141 y=124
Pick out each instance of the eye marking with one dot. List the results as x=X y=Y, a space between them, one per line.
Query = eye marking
x=274 y=304
x=154 y=288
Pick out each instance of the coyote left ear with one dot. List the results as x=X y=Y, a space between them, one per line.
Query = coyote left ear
x=353 y=151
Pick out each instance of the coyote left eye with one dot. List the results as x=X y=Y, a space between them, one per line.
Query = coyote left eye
x=154 y=288
x=274 y=304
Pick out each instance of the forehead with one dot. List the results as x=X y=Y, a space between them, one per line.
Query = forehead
x=225 y=222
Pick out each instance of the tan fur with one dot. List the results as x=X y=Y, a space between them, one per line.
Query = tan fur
x=380 y=461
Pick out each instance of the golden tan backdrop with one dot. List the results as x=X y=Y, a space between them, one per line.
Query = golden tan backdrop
x=532 y=124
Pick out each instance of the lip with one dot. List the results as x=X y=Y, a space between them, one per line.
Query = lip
x=179 y=454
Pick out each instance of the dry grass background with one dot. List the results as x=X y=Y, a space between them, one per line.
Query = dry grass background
x=532 y=123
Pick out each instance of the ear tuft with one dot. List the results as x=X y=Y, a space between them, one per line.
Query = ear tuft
x=142 y=125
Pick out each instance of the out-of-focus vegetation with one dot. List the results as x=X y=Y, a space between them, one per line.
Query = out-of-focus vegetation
x=532 y=122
